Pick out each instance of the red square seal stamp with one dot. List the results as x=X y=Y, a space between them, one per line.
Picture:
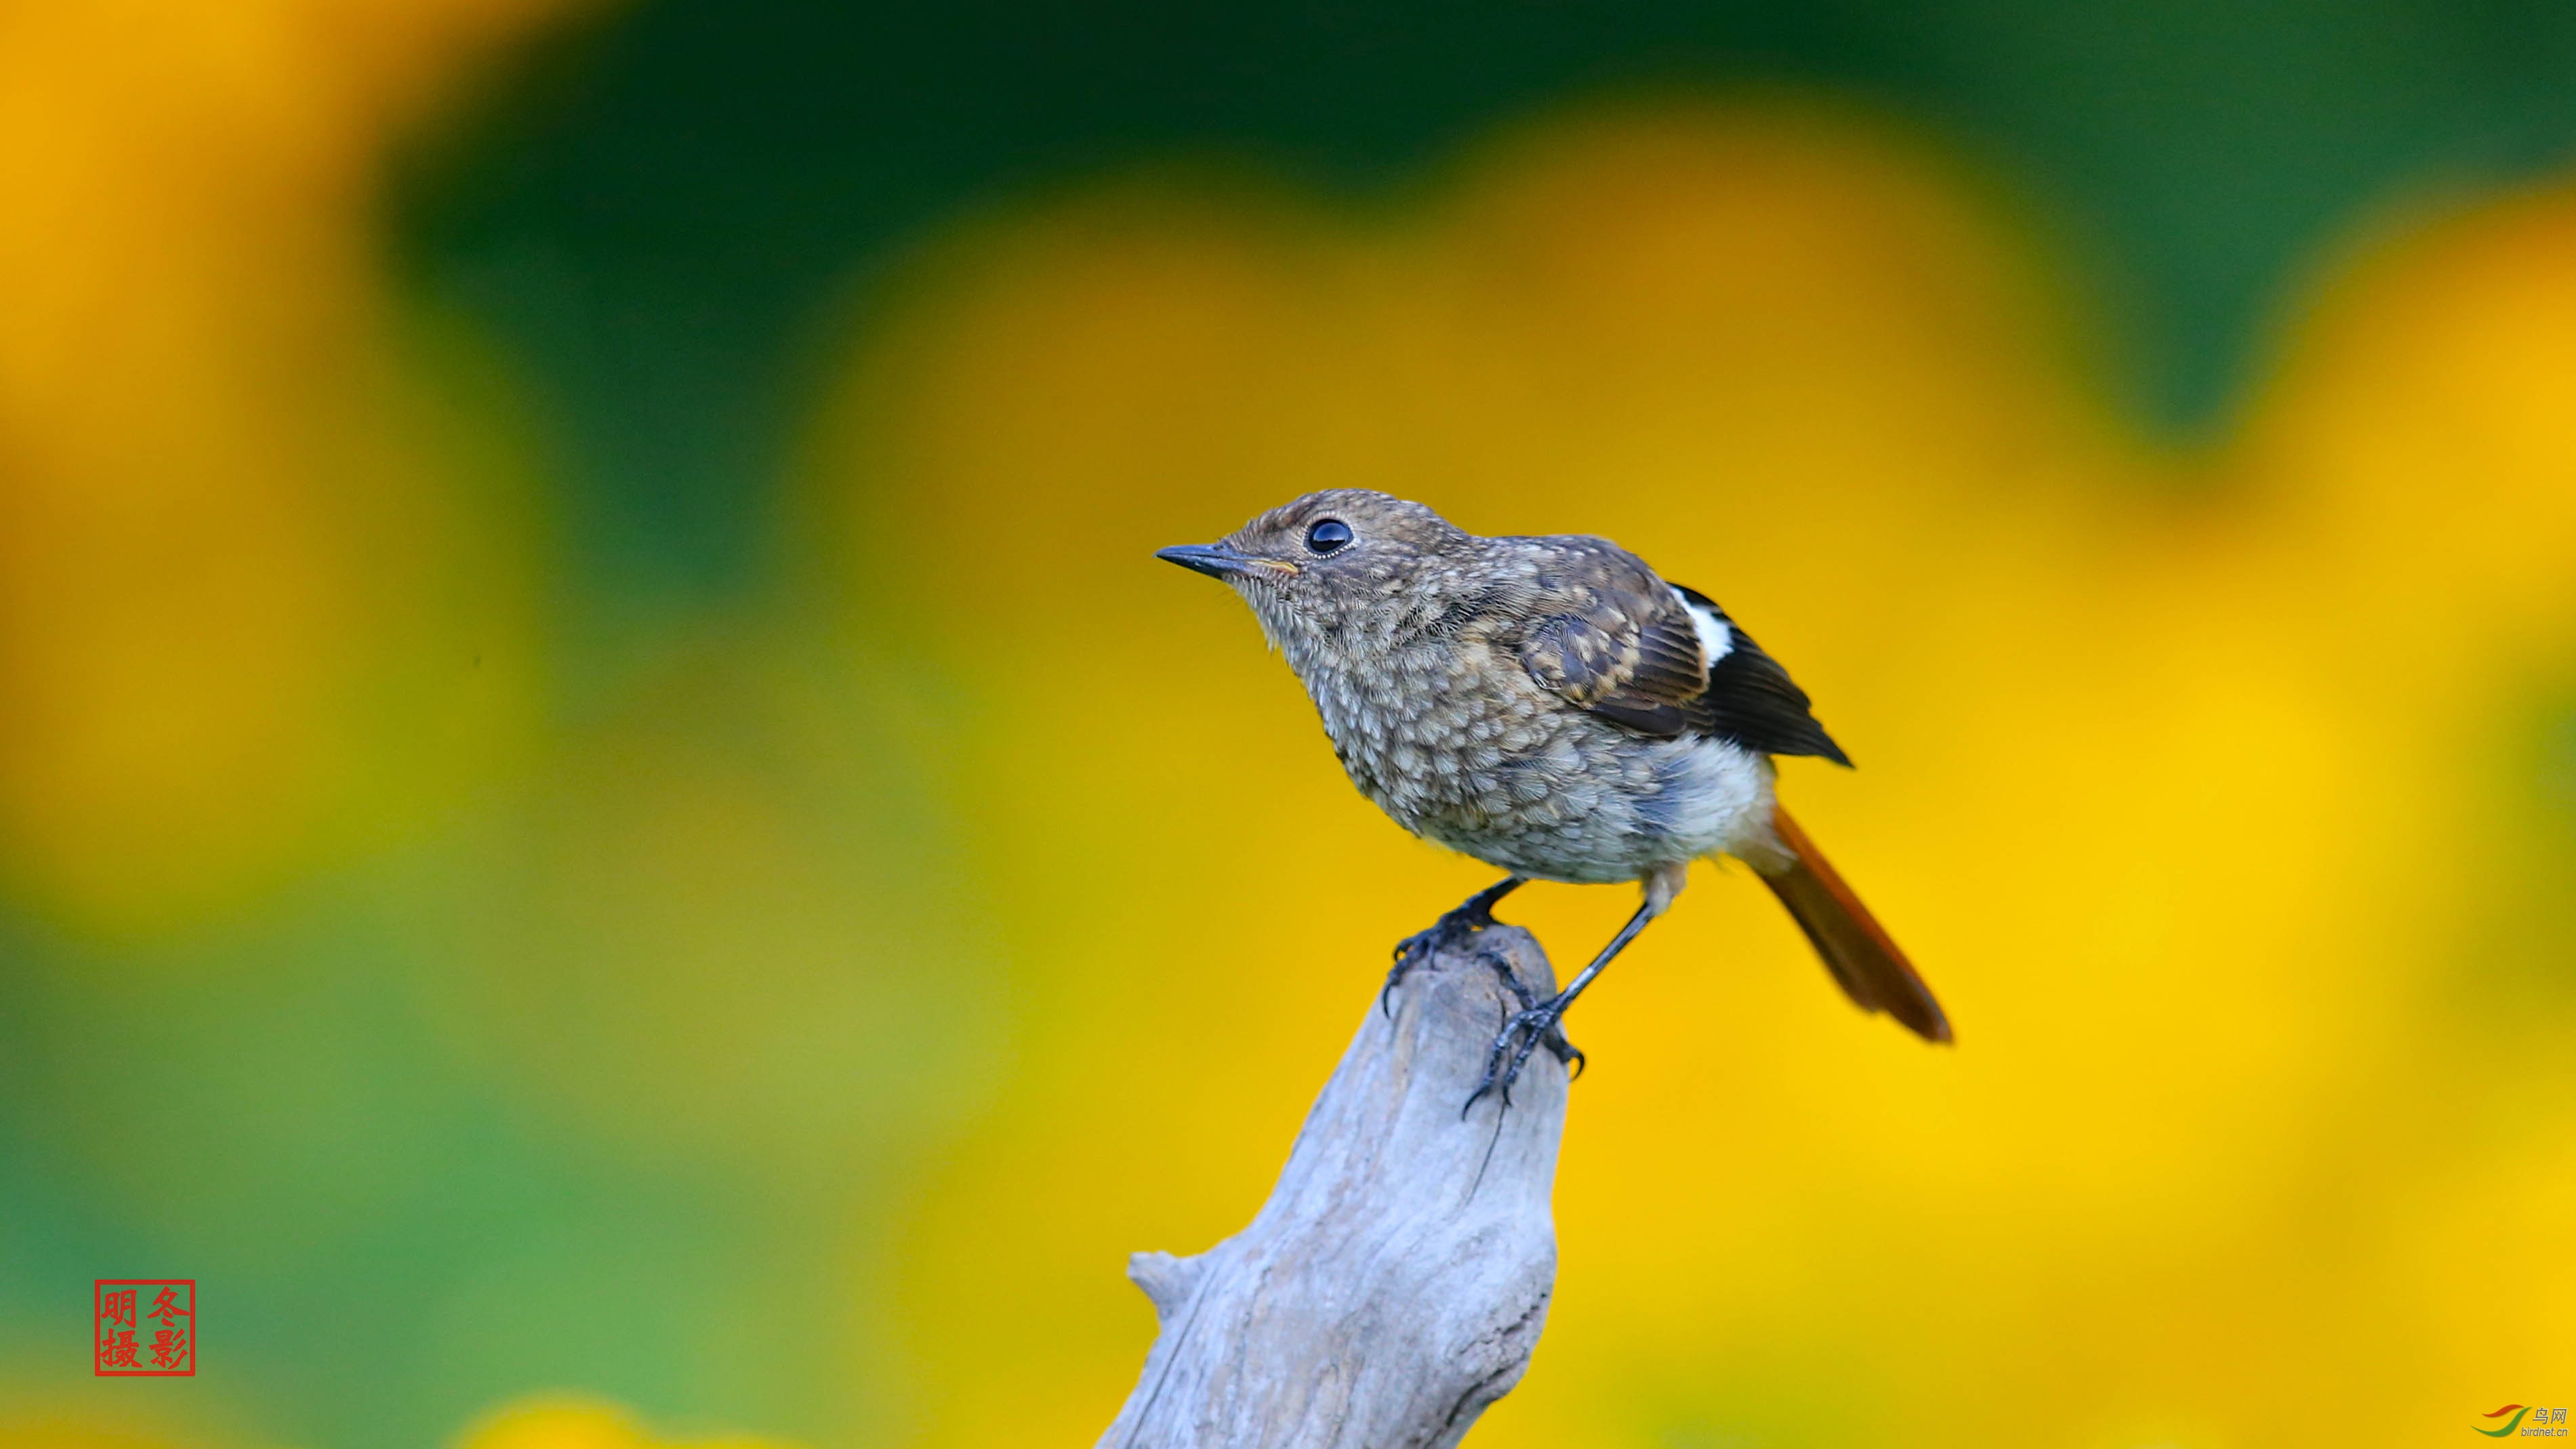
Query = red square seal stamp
x=147 y=1327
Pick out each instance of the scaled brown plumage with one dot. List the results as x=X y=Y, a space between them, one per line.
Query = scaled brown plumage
x=1553 y=707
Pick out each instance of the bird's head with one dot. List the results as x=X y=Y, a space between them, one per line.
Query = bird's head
x=1332 y=563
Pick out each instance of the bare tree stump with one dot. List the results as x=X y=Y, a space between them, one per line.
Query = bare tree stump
x=1395 y=1282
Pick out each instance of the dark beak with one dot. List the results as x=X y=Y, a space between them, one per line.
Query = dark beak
x=1218 y=561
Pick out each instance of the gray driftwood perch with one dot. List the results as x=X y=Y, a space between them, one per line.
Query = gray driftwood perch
x=1396 y=1281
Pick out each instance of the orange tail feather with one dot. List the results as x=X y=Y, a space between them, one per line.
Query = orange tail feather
x=1869 y=967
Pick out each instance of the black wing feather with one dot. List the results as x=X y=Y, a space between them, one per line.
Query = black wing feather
x=1625 y=649
x=1752 y=702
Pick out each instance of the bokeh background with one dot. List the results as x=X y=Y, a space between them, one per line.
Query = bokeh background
x=607 y=832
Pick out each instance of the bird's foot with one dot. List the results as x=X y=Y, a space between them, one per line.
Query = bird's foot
x=1524 y=1031
x=1454 y=929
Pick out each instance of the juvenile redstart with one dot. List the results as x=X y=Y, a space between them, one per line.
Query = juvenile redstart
x=1553 y=708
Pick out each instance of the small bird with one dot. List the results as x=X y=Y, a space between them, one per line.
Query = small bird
x=1553 y=708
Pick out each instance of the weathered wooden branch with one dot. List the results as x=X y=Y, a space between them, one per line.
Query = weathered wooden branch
x=1396 y=1281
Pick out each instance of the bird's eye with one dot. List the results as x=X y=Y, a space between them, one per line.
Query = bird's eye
x=1327 y=535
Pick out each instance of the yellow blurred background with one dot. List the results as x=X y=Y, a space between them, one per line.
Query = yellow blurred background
x=782 y=1017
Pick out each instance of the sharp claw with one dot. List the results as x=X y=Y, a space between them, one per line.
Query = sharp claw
x=1405 y=960
x=1520 y=1058
x=1452 y=928
x=1493 y=1058
x=1524 y=1032
x=1511 y=979
x=1386 y=993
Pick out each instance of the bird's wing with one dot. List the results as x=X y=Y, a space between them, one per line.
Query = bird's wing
x=1751 y=701
x=1626 y=650
x=1666 y=662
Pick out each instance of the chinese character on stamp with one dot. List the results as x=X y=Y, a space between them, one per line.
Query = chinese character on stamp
x=147 y=1327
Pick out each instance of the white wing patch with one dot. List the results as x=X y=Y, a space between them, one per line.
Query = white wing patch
x=1715 y=639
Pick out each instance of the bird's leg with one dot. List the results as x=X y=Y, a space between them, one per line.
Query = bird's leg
x=1536 y=1021
x=1565 y=1051
x=1471 y=915
x=1535 y=1024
